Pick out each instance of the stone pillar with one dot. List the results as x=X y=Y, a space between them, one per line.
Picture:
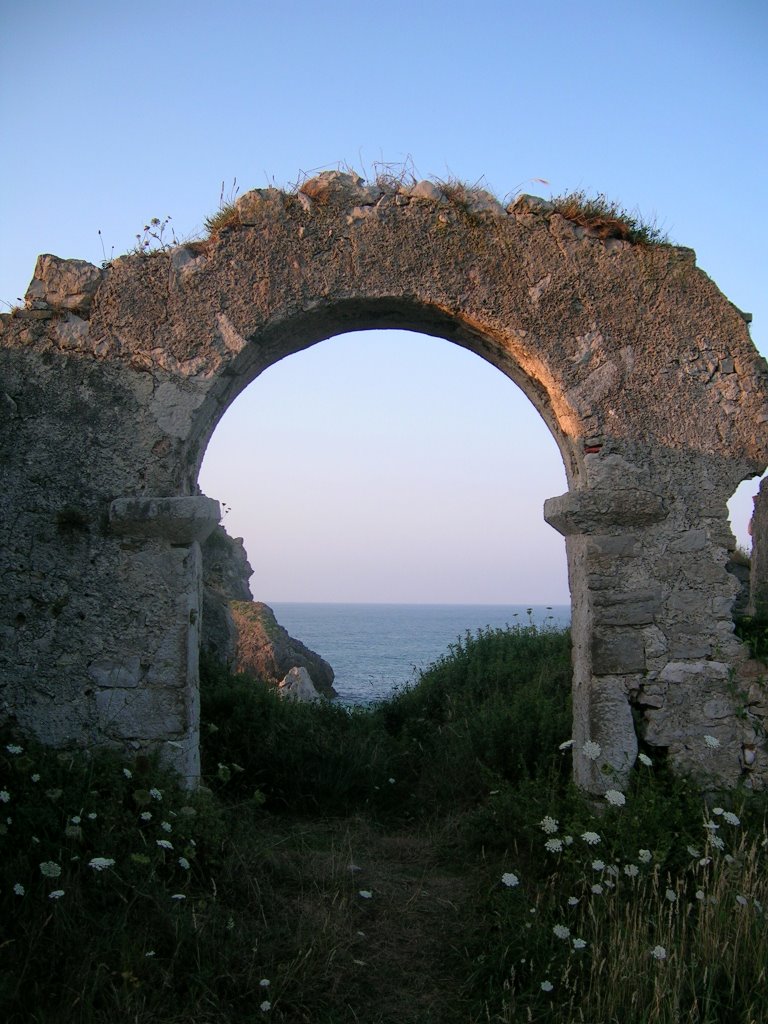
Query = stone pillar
x=758 y=583
x=610 y=609
x=150 y=697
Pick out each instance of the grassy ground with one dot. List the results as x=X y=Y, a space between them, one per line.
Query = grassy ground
x=426 y=862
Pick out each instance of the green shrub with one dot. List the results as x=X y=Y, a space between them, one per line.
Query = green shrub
x=319 y=757
x=491 y=711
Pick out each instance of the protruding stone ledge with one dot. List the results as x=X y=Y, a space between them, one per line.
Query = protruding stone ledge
x=180 y=520
x=599 y=510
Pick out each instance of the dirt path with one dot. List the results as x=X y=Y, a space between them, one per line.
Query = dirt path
x=394 y=958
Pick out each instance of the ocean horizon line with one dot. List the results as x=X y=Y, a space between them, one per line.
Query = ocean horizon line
x=430 y=604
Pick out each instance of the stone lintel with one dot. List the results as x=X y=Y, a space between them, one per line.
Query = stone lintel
x=181 y=520
x=599 y=510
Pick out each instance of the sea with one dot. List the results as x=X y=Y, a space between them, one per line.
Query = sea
x=375 y=649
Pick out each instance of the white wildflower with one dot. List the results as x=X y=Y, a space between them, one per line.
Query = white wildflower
x=591 y=750
x=92 y=816
x=549 y=825
x=671 y=895
x=598 y=865
x=741 y=900
x=150 y=952
x=644 y=759
x=631 y=870
x=566 y=746
x=579 y=943
x=164 y=843
x=184 y=863
x=547 y=986
x=591 y=838
x=731 y=818
x=266 y=1006
x=166 y=826
x=568 y=840
x=100 y=863
x=613 y=869
x=127 y=773
x=554 y=845
x=264 y=983
x=156 y=794
x=718 y=811
x=365 y=894
x=510 y=880
x=178 y=896
x=561 y=932
x=35 y=777
x=146 y=815
x=19 y=889
x=693 y=851
x=644 y=856
x=56 y=894
x=704 y=861
x=717 y=842
x=12 y=748
x=50 y=869
x=615 y=798
x=573 y=901
x=699 y=894
x=712 y=742
x=659 y=953
x=597 y=890
x=5 y=796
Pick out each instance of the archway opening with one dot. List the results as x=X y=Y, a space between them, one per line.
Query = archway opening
x=389 y=468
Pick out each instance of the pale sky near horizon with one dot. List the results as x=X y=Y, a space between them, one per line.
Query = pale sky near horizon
x=386 y=466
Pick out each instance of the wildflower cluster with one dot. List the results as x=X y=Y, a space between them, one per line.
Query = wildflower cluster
x=576 y=916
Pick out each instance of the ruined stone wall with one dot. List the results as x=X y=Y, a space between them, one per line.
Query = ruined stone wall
x=113 y=381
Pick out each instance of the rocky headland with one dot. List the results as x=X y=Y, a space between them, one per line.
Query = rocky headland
x=244 y=634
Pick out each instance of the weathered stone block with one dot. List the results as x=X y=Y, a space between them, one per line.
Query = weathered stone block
x=178 y=520
x=141 y=714
x=627 y=608
x=108 y=673
x=617 y=651
x=64 y=284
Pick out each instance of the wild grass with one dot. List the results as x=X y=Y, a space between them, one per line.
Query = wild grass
x=605 y=218
x=427 y=862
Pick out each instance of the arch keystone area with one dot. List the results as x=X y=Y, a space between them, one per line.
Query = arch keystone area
x=113 y=380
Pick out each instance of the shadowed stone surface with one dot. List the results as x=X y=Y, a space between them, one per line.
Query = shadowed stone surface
x=113 y=380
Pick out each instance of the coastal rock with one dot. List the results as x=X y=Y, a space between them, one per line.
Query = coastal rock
x=298 y=685
x=265 y=649
x=226 y=572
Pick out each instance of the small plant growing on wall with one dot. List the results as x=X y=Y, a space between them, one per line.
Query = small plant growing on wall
x=607 y=219
x=153 y=237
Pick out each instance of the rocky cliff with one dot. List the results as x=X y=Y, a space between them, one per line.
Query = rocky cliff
x=244 y=633
x=265 y=649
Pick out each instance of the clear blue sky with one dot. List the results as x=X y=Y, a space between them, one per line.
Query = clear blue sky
x=386 y=467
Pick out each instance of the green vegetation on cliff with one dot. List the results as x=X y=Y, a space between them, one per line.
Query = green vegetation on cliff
x=424 y=862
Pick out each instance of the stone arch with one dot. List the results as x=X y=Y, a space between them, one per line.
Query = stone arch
x=645 y=374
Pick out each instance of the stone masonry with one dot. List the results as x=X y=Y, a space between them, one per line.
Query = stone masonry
x=112 y=381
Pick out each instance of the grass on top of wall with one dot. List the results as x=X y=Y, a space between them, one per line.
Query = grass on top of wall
x=428 y=861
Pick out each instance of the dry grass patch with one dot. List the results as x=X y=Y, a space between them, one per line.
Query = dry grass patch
x=604 y=218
